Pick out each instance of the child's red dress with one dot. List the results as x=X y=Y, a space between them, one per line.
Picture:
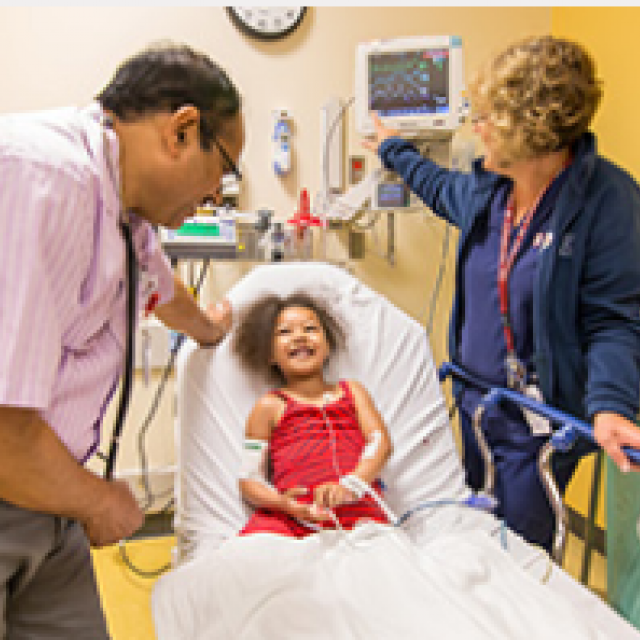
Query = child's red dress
x=301 y=454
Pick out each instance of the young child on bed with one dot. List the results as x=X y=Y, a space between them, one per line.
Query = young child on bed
x=305 y=436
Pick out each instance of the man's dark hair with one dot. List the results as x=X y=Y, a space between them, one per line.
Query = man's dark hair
x=253 y=337
x=164 y=78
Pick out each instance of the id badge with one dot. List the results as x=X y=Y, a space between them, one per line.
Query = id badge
x=148 y=290
x=516 y=373
x=539 y=425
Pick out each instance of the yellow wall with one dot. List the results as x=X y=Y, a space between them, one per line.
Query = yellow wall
x=610 y=34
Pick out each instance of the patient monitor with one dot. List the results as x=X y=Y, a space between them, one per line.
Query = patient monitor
x=415 y=85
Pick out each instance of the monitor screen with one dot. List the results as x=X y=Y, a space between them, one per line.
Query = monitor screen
x=409 y=83
x=415 y=84
x=392 y=195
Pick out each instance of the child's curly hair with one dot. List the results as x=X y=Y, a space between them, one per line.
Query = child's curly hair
x=252 y=341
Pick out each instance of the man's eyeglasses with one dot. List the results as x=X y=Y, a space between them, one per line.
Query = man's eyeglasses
x=231 y=165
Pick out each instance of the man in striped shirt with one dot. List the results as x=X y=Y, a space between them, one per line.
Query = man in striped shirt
x=153 y=146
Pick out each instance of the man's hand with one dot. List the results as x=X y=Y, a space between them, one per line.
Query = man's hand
x=381 y=134
x=116 y=516
x=221 y=317
x=612 y=432
x=183 y=313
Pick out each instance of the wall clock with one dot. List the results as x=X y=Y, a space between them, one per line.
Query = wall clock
x=267 y=23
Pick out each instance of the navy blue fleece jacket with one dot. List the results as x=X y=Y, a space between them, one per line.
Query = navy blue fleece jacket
x=587 y=294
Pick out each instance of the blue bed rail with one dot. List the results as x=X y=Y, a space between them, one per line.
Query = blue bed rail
x=566 y=430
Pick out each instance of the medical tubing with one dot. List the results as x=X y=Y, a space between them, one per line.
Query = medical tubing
x=439 y=279
x=149 y=497
x=363 y=488
x=334 y=453
x=311 y=525
x=352 y=481
x=550 y=563
x=474 y=501
x=140 y=572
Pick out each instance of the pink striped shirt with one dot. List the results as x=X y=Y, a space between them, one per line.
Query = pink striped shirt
x=62 y=272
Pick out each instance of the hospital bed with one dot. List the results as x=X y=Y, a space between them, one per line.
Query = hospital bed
x=451 y=571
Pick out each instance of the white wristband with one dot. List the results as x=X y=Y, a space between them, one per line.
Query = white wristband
x=355 y=484
x=254 y=460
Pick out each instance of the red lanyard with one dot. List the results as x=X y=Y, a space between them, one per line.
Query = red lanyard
x=507 y=258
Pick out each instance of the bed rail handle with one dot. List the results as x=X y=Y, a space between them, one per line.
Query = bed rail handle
x=562 y=439
x=555 y=499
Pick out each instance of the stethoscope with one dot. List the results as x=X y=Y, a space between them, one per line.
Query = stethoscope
x=132 y=286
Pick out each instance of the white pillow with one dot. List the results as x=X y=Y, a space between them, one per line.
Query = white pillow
x=387 y=352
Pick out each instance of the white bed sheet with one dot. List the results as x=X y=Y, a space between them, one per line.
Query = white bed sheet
x=389 y=354
x=372 y=583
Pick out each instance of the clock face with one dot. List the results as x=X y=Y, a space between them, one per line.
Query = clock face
x=267 y=23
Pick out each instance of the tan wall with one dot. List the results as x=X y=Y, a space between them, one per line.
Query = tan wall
x=57 y=56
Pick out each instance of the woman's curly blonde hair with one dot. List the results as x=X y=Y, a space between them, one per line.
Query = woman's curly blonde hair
x=539 y=95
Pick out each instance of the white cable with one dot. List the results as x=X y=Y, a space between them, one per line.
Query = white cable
x=326 y=399
x=317 y=527
x=549 y=564
x=351 y=482
x=361 y=488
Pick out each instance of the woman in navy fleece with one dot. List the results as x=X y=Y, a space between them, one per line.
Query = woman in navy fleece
x=548 y=269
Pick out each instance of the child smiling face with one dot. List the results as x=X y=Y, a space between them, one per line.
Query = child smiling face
x=299 y=347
